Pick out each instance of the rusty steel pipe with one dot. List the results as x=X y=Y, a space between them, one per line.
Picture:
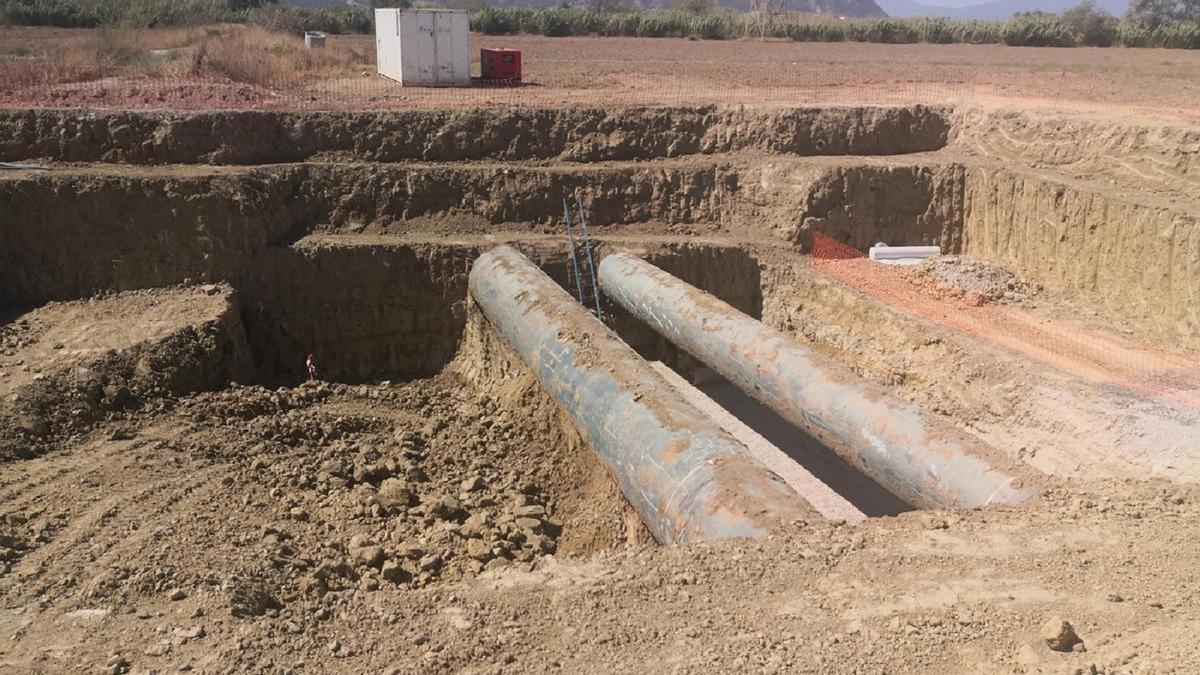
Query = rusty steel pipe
x=923 y=461
x=687 y=478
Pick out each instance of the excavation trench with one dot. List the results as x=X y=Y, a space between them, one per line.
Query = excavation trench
x=336 y=297
x=373 y=310
x=352 y=236
x=332 y=297
x=839 y=490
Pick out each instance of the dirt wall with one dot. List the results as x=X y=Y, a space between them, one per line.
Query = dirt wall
x=381 y=197
x=1138 y=262
x=368 y=308
x=571 y=134
x=863 y=204
x=375 y=310
x=66 y=236
x=366 y=311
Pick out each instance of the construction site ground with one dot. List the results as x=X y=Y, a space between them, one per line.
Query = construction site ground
x=590 y=71
x=175 y=496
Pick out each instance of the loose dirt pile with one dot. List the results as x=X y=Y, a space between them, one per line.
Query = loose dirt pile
x=337 y=490
x=252 y=529
x=977 y=278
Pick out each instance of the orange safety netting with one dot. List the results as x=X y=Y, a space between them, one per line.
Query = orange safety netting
x=1056 y=342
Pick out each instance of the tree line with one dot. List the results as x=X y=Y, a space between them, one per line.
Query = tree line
x=1149 y=23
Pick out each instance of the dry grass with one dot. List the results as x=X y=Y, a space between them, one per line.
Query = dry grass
x=257 y=56
x=244 y=54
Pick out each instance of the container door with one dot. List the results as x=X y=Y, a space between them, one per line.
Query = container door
x=452 y=35
x=441 y=24
x=416 y=48
x=457 y=53
x=387 y=42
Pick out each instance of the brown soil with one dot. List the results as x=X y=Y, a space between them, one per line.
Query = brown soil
x=174 y=495
x=975 y=278
x=594 y=71
x=1057 y=343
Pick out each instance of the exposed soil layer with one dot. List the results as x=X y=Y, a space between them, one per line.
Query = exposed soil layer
x=1138 y=261
x=567 y=134
x=427 y=508
x=74 y=232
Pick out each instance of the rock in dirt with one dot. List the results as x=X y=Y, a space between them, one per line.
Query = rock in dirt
x=158 y=649
x=393 y=572
x=187 y=634
x=395 y=495
x=368 y=556
x=1059 y=634
x=479 y=550
x=365 y=552
x=475 y=525
x=410 y=549
x=120 y=434
x=250 y=599
x=528 y=523
x=34 y=425
x=447 y=508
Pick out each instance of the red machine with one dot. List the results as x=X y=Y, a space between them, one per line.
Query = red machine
x=500 y=64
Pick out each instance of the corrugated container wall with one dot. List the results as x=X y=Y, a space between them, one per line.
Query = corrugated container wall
x=423 y=46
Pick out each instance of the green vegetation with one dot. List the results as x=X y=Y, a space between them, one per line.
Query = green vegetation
x=1159 y=12
x=164 y=13
x=125 y=13
x=1152 y=23
x=1082 y=26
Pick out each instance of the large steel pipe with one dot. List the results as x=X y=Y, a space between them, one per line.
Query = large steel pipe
x=687 y=477
x=925 y=462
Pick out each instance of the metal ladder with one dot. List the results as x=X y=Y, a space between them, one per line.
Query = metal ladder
x=582 y=273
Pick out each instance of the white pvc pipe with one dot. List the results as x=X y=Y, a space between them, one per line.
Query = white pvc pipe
x=899 y=252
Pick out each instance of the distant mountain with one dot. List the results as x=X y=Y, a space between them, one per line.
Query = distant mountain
x=995 y=9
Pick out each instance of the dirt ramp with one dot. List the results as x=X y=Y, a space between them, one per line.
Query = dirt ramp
x=69 y=365
x=1058 y=422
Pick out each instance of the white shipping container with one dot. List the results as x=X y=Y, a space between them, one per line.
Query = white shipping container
x=423 y=46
